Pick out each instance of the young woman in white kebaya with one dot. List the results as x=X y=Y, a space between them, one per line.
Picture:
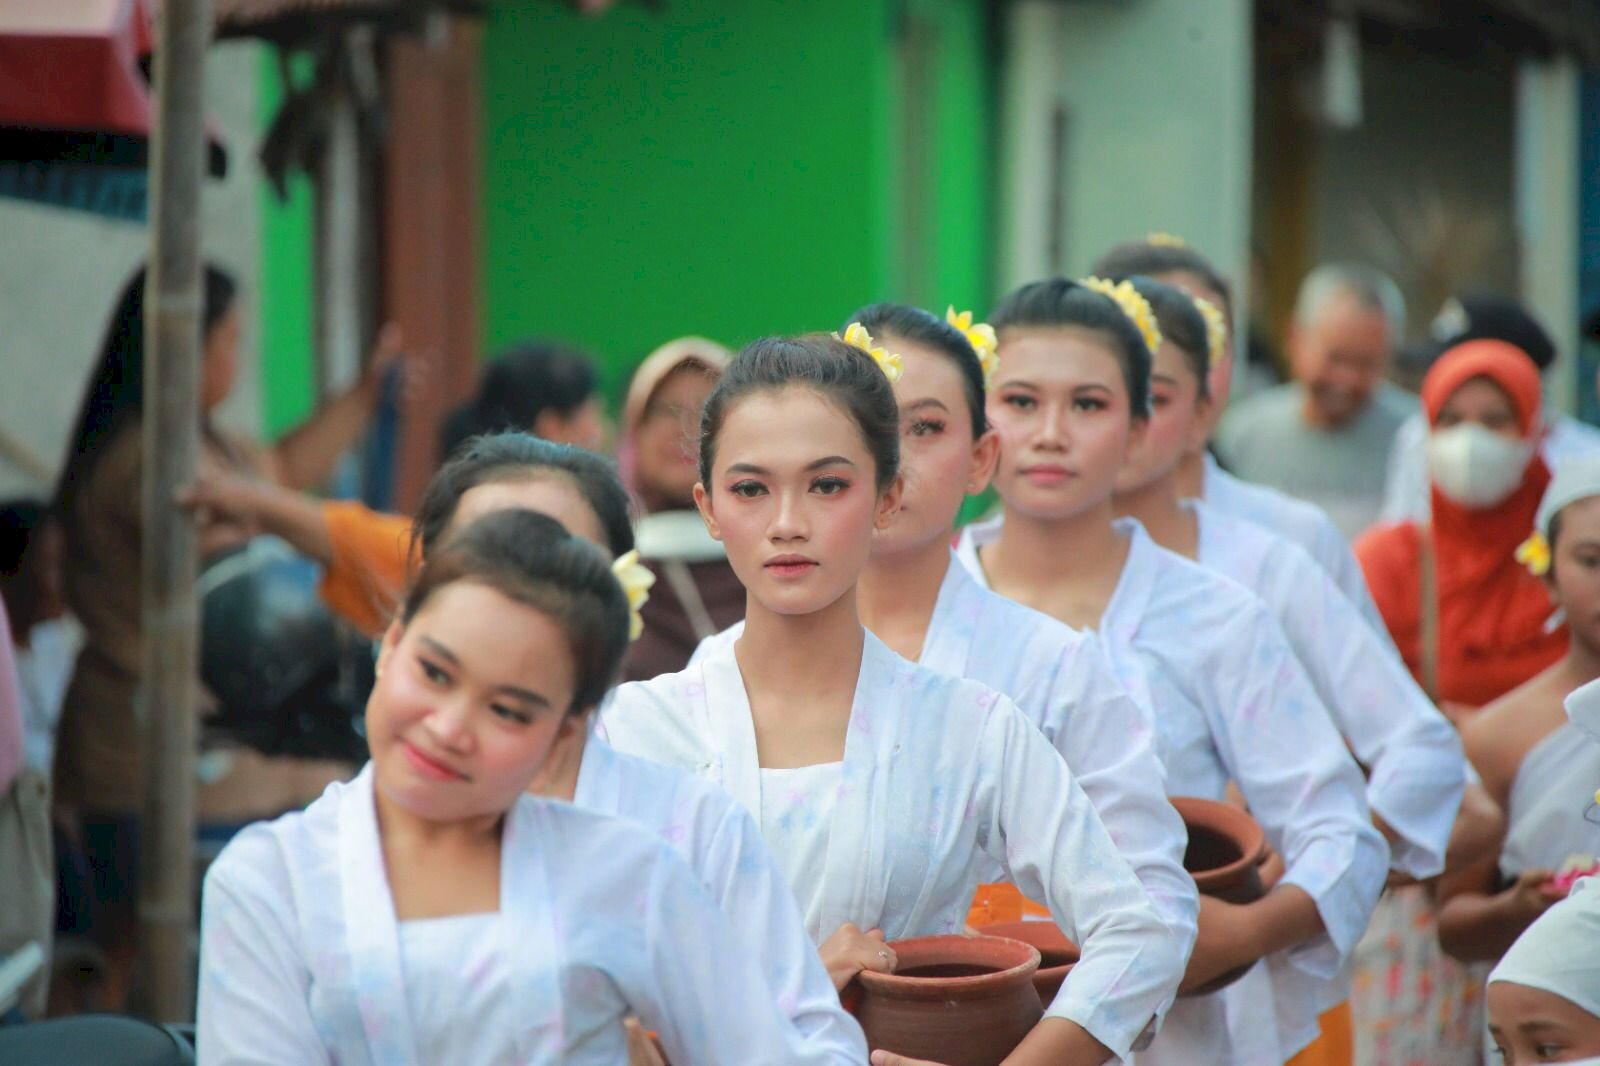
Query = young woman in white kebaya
x=1413 y=754
x=718 y=838
x=886 y=791
x=1417 y=776
x=1167 y=259
x=917 y=599
x=1231 y=703
x=431 y=910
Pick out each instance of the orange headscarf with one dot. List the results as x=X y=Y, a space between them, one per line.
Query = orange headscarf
x=1504 y=364
x=1492 y=612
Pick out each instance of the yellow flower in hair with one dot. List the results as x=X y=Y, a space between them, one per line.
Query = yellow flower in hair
x=1166 y=240
x=1135 y=306
x=981 y=337
x=1216 y=328
x=636 y=580
x=1534 y=553
x=856 y=335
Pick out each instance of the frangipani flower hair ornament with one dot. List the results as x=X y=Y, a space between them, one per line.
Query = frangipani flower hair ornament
x=982 y=338
x=1136 y=307
x=1216 y=328
x=636 y=580
x=856 y=335
x=1534 y=553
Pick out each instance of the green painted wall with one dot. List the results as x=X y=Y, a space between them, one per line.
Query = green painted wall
x=727 y=167
x=941 y=108
x=287 y=355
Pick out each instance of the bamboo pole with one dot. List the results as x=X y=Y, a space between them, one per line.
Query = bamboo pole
x=171 y=448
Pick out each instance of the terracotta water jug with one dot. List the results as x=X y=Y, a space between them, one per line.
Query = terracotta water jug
x=1225 y=855
x=956 y=1000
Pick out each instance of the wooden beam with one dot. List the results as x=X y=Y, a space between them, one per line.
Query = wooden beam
x=431 y=252
x=171 y=446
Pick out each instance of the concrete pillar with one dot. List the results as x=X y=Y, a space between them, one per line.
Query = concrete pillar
x=1547 y=206
x=1127 y=117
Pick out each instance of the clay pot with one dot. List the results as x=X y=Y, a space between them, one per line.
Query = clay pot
x=957 y=1000
x=1226 y=848
x=1225 y=854
x=1057 y=954
x=1271 y=869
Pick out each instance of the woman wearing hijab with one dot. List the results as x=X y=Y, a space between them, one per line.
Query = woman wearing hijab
x=696 y=593
x=1470 y=621
x=1472 y=624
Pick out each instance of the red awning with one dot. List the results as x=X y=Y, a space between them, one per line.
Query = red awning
x=76 y=107
x=74 y=65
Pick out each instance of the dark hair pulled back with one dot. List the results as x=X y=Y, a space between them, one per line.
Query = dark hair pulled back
x=1155 y=260
x=116 y=389
x=1058 y=302
x=20 y=519
x=512 y=457
x=842 y=374
x=929 y=330
x=1181 y=323
x=532 y=559
x=519 y=384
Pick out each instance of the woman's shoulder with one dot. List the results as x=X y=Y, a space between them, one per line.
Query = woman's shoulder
x=1007 y=623
x=115 y=469
x=1498 y=737
x=659 y=718
x=277 y=852
x=669 y=692
x=1184 y=590
x=935 y=698
x=611 y=849
x=236 y=451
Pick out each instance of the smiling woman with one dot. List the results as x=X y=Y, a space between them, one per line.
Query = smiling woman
x=329 y=935
x=835 y=742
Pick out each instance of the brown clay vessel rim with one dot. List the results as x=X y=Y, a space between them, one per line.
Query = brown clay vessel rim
x=1018 y=931
x=961 y=950
x=1234 y=823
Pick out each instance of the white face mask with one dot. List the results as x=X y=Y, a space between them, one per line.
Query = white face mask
x=1474 y=466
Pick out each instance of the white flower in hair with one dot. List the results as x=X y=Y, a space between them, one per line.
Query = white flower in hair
x=856 y=336
x=636 y=581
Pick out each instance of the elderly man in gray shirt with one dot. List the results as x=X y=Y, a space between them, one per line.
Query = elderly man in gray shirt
x=1326 y=436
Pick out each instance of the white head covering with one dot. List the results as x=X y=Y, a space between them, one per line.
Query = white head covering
x=1574 y=480
x=1583 y=707
x=1560 y=953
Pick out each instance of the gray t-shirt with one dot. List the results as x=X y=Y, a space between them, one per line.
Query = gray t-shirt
x=1265 y=439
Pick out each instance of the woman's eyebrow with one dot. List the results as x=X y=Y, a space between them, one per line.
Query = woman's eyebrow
x=815 y=464
x=523 y=694
x=440 y=650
